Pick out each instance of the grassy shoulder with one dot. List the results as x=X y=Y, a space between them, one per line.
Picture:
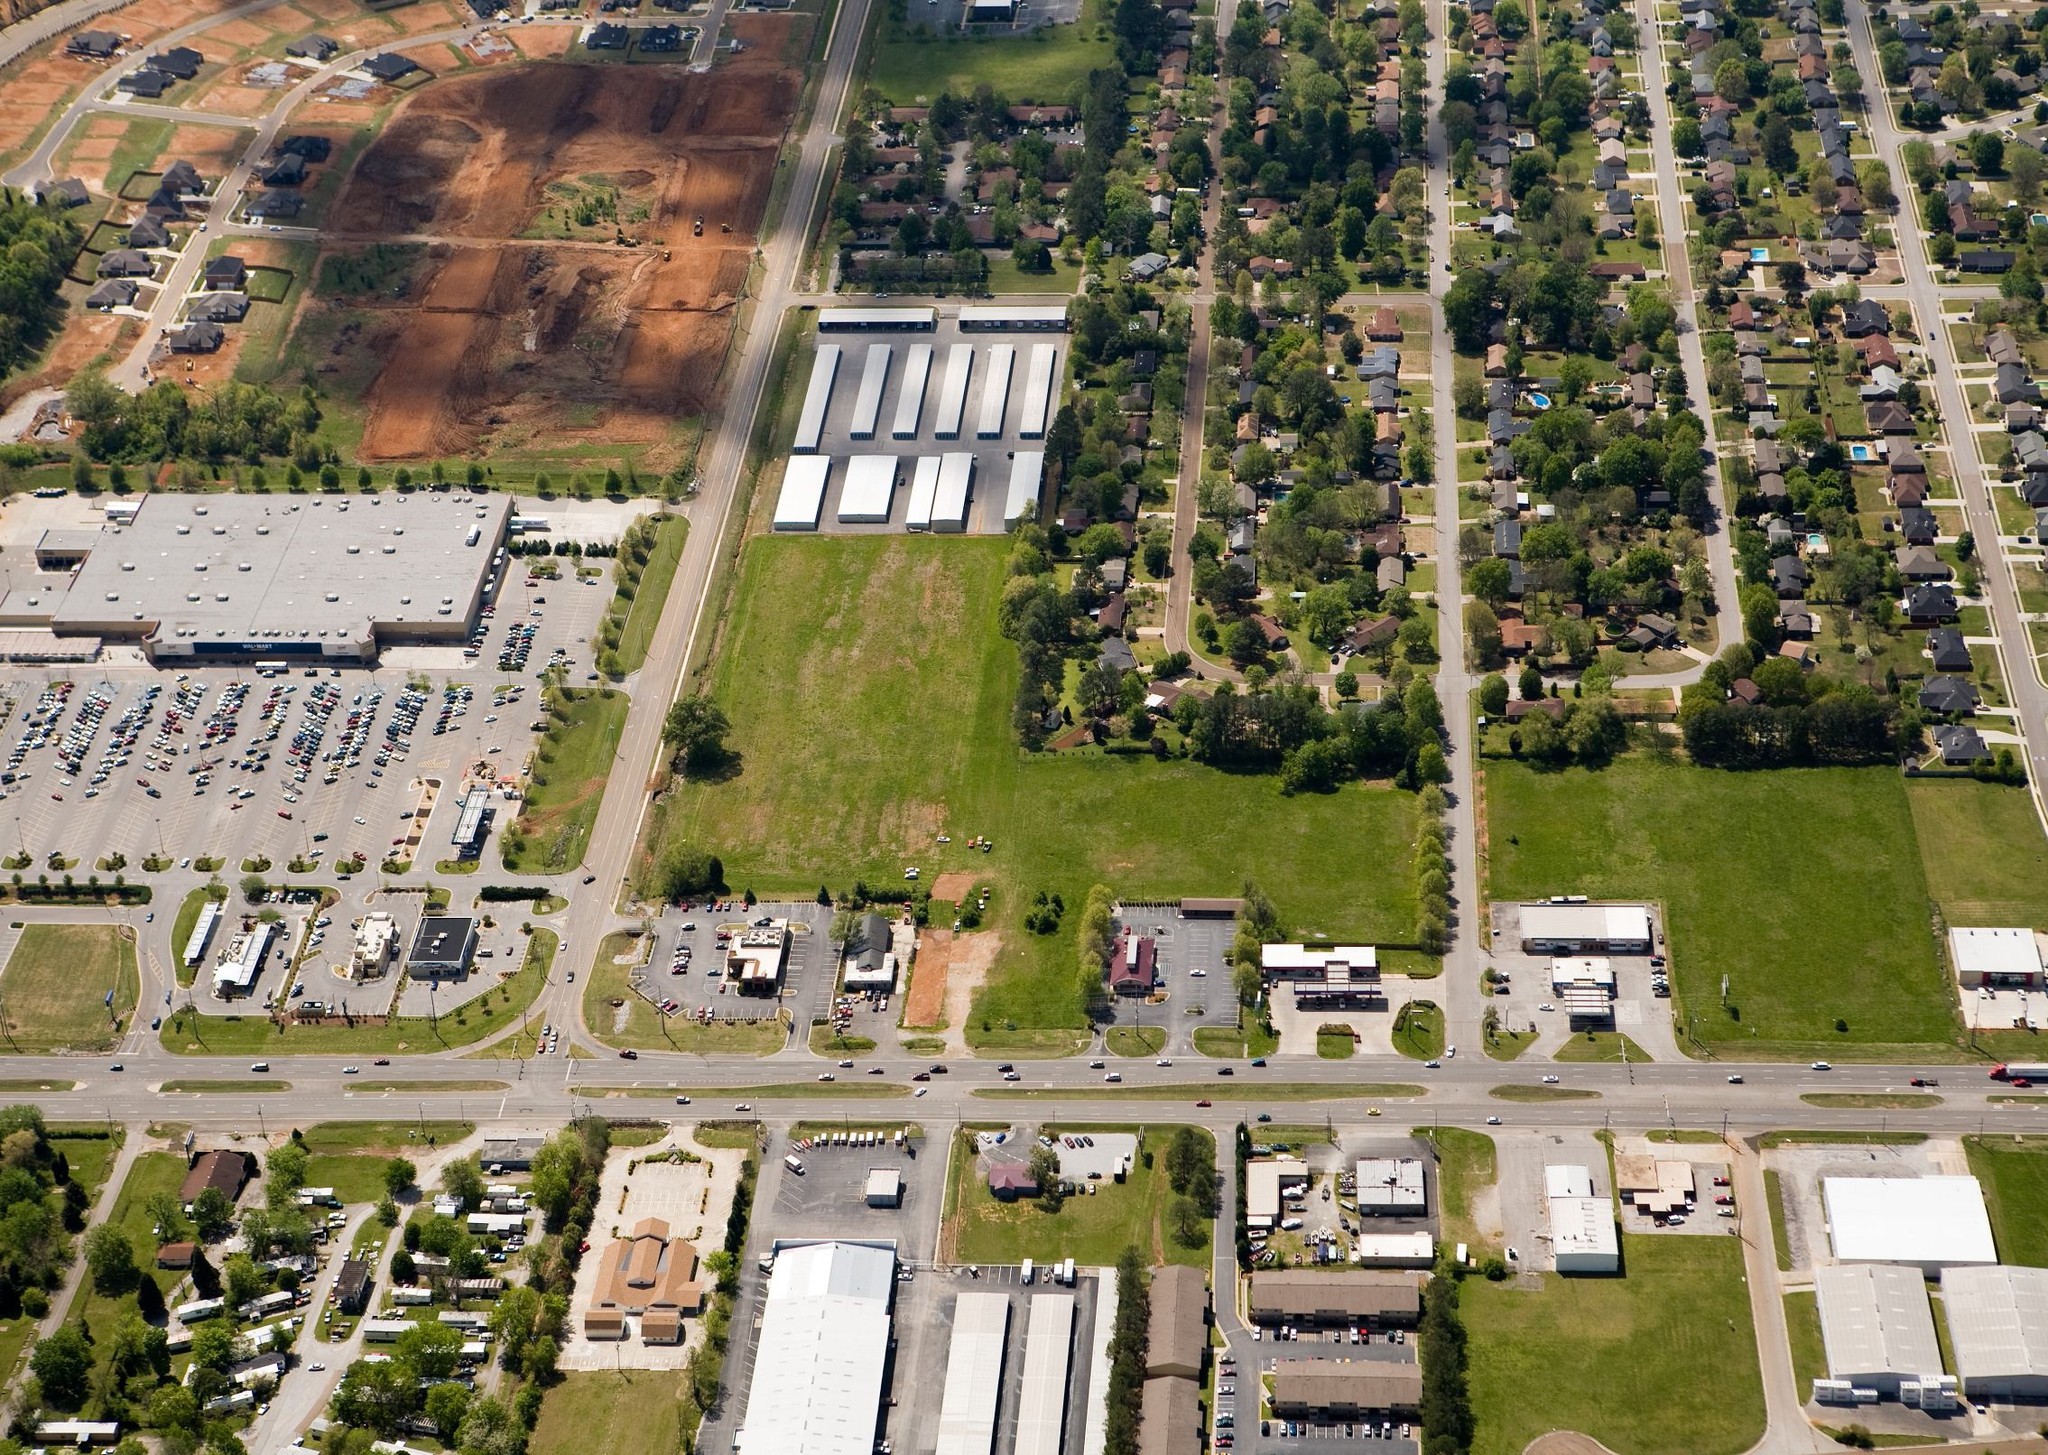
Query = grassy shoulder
x=863 y=734
x=68 y=987
x=572 y=762
x=1600 y=1046
x=1205 y=1091
x=1419 y=1030
x=191 y=1034
x=2014 y=1174
x=1251 y=1040
x=1135 y=1040
x=1516 y=1092
x=1466 y=1164
x=651 y=594
x=1680 y=1308
x=1091 y=1227
x=182 y=926
x=1802 y=957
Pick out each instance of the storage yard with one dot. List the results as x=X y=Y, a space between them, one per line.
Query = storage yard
x=987 y=401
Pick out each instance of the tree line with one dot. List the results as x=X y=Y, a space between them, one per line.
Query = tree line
x=37 y=244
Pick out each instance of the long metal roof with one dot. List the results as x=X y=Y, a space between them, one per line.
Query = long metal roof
x=974 y=1374
x=1048 y=1352
x=1874 y=1320
x=824 y=1343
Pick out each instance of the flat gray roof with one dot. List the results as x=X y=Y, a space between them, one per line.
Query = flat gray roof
x=1875 y=1321
x=262 y=572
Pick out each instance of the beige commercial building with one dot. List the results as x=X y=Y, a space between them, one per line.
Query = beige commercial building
x=649 y=1274
x=1170 y=1418
x=1179 y=1334
x=1341 y=1388
x=1315 y=1296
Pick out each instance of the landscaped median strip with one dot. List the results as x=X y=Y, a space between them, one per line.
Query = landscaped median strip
x=1872 y=1100
x=1205 y=1090
x=427 y=1086
x=28 y=1086
x=222 y=1088
x=1543 y=1093
x=775 y=1090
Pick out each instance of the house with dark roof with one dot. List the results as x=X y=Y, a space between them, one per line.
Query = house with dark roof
x=288 y=170
x=68 y=193
x=1865 y=316
x=1947 y=650
x=1009 y=1181
x=1918 y=525
x=388 y=67
x=112 y=294
x=94 y=45
x=1948 y=696
x=1960 y=743
x=181 y=179
x=1790 y=576
x=273 y=205
x=125 y=263
x=1935 y=602
x=146 y=83
x=606 y=37
x=219 y=308
x=182 y=62
x=198 y=338
x=226 y=271
x=314 y=47
x=147 y=232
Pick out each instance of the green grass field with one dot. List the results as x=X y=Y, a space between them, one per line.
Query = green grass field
x=1466 y=1162
x=1802 y=1332
x=1680 y=1310
x=488 y=1014
x=621 y=1412
x=1089 y=1229
x=2007 y=885
x=53 y=991
x=1600 y=1046
x=1044 y=65
x=391 y=1139
x=1751 y=869
x=1419 y=1030
x=870 y=696
x=655 y=578
x=553 y=827
x=2014 y=1175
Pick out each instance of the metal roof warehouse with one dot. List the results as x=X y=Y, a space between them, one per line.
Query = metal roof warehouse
x=282 y=576
x=823 y=1347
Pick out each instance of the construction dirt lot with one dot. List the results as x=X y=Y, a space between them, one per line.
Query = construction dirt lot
x=497 y=338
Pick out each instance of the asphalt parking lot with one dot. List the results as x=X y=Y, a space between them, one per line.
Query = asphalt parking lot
x=698 y=981
x=220 y=761
x=1183 y=947
x=829 y=1199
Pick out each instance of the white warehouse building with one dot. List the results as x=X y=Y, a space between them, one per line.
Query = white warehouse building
x=1582 y=1233
x=1929 y=1222
x=1998 y=1327
x=822 y=1351
x=1876 y=1325
x=1577 y=927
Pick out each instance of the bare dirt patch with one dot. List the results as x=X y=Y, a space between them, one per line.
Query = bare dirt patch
x=966 y=972
x=85 y=338
x=927 y=1000
x=590 y=339
x=953 y=886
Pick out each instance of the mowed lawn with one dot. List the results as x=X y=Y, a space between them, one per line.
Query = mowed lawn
x=870 y=695
x=1668 y=1353
x=2014 y=1175
x=1804 y=887
x=1090 y=1229
x=1986 y=858
x=621 y=1412
x=1042 y=65
x=553 y=827
x=53 y=992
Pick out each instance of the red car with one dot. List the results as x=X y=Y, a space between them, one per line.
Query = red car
x=629 y=1055
x=1202 y=1103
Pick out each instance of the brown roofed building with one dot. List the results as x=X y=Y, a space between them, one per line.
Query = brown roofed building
x=1385 y=327
x=647 y=1269
x=229 y=1171
x=1170 y=1418
x=1308 y=1296
x=1012 y=1180
x=1179 y=1330
x=1343 y=1388
x=176 y=1255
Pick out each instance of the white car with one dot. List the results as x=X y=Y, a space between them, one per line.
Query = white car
x=1550 y=1081
x=1162 y=1061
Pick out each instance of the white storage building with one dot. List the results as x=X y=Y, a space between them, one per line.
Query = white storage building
x=953 y=392
x=955 y=490
x=1998 y=1328
x=1575 y=927
x=868 y=493
x=1041 y=373
x=974 y=1374
x=2006 y=959
x=1582 y=1234
x=202 y=932
x=1394 y=1250
x=1390 y=1187
x=995 y=390
x=1928 y=1222
x=1876 y=1325
x=924 y=492
x=810 y=424
x=878 y=320
x=802 y=499
x=821 y=1353
x=917 y=371
x=1048 y=1351
x=1266 y=1180
x=1027 y=479
x=874 y=378
x=1015 y=318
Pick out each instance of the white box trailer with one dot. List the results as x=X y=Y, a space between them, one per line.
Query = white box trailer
x=956 y=489
x=917 y=372
x=1041 y=375
x=810 y=425
x=1027 y=474
x=874 y=378
x=995 y=390
x=802 y=499
x=953 y=393
x=924 y=493
x=869 y=493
